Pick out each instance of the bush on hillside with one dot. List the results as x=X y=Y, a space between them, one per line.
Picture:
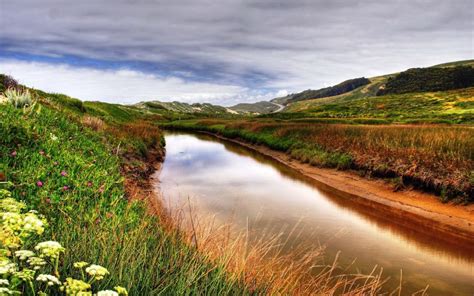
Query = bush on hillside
x=335 y=90
x=429 y=79
x=7 y=82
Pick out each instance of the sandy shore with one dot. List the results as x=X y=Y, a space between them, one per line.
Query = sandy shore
x=410 y=208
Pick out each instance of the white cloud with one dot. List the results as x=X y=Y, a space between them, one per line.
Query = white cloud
x=123 y=86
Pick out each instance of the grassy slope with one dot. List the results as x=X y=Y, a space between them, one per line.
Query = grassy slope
x=92 y=217
x=433 y=158
x=449 y=106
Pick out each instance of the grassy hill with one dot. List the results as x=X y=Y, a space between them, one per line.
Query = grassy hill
x=366 y=102
x=184 y=108
x=262 y=107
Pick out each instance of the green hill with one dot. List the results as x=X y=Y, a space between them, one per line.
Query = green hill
x=415 y=99
x=262 y=107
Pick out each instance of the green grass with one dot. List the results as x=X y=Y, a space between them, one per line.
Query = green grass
x=437 y=107
x=92 y=217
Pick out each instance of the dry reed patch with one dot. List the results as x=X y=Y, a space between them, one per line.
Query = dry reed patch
x=262 y=264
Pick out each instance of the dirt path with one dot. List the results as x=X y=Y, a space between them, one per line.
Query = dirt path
x=412 y=208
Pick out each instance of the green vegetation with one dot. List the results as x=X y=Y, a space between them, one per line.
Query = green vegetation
x=429 y=79
x=262 y=107
x=197 y=109
x=72 y=175
x=343 y=87
x=437 y=107
x=435 y=158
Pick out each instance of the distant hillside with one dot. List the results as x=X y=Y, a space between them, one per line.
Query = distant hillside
x=454 y=106
x=262 y=107
x=343 y=87
x=429 y=79
x=283 y=100
x=179 y=107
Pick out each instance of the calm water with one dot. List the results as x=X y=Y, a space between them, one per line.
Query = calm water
x=238 y=186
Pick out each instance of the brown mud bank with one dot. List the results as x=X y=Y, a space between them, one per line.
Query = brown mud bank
x=422 y=212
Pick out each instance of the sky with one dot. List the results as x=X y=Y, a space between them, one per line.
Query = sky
x=222 y=51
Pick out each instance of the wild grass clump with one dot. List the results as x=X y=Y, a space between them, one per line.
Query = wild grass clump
x=435 y=158
x=17 y=97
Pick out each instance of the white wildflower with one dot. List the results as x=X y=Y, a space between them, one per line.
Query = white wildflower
x=51 y=280
x=24 y=254
x=97 y=271
x=4 y=282
x=7 y=267
x=33 y=223
x=6 y=291
x=53 y=137
x=49 y=249
x=107 y=293
x=36 y=262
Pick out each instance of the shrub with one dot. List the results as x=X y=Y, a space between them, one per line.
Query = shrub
x=17 y=98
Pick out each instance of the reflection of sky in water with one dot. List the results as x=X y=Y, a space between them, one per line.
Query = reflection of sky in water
x=237 y=188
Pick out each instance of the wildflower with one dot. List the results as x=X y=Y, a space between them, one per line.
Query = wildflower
x=53 y=137
x=9 y=204
x=89 y=184
x=121 y=290
x=25 y=275
x=41 y=152
x=47 y=200
x=39 y=184
x=5 y=193
x=49 y=249
x=76 y=287
x=13 y=153
x=6 y=291
x=36 y=262
x=51 y=280
x=24 y=254
x=80 y=264
x=109 y=215
x=65 y=188
x=4 y=282
x=63 y=173
x=33 y=224
x=107 y=293
x=97 y=271
x=7 y=267
x=55 y=163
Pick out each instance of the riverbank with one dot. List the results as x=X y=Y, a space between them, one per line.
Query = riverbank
x=409 y=208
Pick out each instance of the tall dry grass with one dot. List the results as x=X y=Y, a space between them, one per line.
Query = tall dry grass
x=263 y=264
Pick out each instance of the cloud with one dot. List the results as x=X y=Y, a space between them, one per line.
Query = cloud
x=256 y=45
x=125 y=86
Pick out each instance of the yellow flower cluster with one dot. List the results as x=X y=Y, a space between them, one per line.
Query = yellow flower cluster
x=20 y=266
x=15 y=225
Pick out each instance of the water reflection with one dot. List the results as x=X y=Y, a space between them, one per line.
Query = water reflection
x=250 y=190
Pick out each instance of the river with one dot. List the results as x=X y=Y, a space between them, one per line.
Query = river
x=235 y=185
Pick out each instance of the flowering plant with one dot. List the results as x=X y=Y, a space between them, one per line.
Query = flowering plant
x=36 y=270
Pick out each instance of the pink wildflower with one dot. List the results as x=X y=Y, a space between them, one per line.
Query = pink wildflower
x=13 y=153
x=89 y=184
x=63 y=173
x=39 y=184
x=65 y=188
